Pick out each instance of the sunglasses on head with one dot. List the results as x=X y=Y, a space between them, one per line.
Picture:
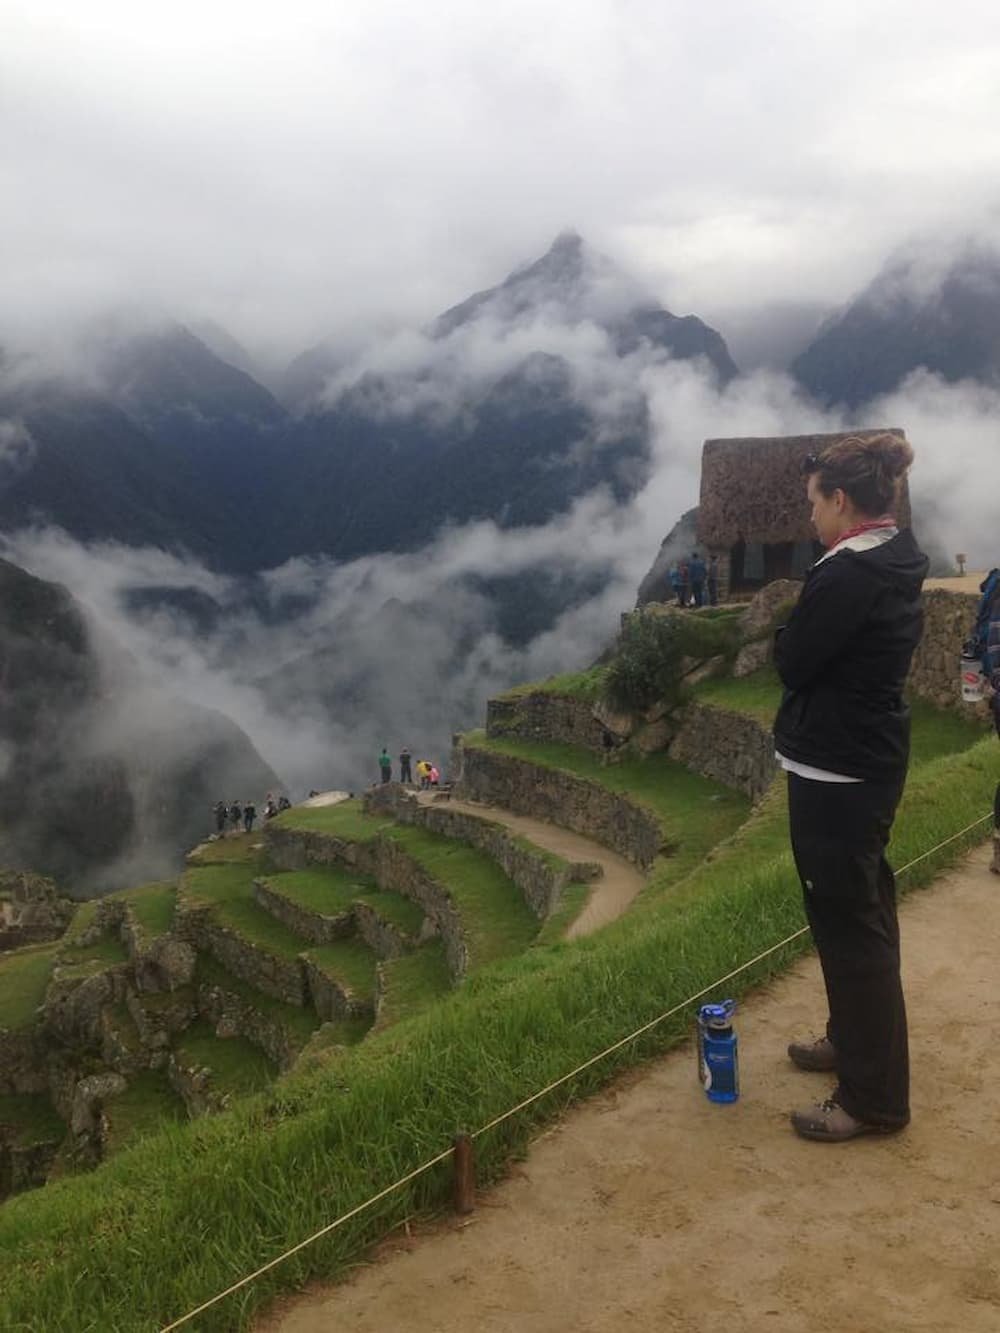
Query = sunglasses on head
x=811 y=463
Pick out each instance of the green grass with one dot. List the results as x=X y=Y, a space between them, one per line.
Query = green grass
x=757 y=695
x=330 y=890
x=349 y=962
x=24 y=979
x=325 y=890
x=572 y=901
x=299 y=1023
x=228 y=890
x=146 y=1106
x=237 y=847
x=574 y=684
x=346 y=820
x=152 y=905
x=938 y=731
x=29 y=1118
x=414 y=981
x=406 y=915
x=496 y=921
x=238 y=1066
x=85 y=959
x=495 y=918
x=694 y=813
x=126 y=1247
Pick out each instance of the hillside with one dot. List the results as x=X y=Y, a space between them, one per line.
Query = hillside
x=426 y=950
x=924 y=309
x=106 y=777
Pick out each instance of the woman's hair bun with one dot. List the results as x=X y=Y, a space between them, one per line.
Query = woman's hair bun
x=894 y=452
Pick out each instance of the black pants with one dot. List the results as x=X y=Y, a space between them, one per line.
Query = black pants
x=839 y=834
x=404 y=771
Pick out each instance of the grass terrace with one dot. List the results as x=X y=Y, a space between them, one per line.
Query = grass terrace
x=24 y=979
x=238 y=1066
x=152 y=905
x=414 y=981
x=236 y=847
x=228 y=890
x=694 y=812
x=125 y=1246
x=146 y=1106
x=495 y=918
x=299 y=1023
x=349 y=963
x=935 y=731
x=575 y=684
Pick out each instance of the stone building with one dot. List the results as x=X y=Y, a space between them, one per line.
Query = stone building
x=753 y=513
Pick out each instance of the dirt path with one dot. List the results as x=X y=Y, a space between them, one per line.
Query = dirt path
x=651 y=1210
x=957 y=583
x=609 y=896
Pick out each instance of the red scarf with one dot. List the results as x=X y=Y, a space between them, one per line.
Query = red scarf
x=886 y=521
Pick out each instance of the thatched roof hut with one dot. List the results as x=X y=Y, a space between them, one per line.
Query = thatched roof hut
x=754 y=515
x=752 y=490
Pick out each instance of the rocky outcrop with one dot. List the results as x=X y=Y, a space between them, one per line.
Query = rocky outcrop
x=31 y=910
x=730 y=747
x=543 y=715
x=23 y=1061
x=562 y=798
x=24 y=1166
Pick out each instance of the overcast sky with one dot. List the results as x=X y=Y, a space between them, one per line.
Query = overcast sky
x=292 y=169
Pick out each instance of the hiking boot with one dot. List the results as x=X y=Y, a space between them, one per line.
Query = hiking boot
x=995 y=863
x=828 y=1122
x=816 y=1055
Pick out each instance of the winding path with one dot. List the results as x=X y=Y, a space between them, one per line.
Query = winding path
x=610 y=895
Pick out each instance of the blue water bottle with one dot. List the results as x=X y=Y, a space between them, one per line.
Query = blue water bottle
x=718 y=1061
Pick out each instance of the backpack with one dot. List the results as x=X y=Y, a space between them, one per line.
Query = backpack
x=978 y=642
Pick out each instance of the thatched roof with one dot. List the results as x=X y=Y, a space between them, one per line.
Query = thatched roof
x=753 y=490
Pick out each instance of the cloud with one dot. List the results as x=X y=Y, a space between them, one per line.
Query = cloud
x=308 y=170
x=17 y=449
x=323 y=663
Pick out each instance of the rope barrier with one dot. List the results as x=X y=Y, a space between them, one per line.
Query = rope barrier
x=536 y=1096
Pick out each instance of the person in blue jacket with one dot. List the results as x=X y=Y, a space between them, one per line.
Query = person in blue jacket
x=842 y=733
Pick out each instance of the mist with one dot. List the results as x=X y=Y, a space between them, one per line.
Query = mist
x=322 y=663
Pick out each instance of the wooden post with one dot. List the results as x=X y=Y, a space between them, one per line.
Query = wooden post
x=465 y=1174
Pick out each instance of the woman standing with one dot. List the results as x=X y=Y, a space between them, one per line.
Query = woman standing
x=842 y=734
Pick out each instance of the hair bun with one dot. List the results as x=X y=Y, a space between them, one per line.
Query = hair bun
x=893 y=453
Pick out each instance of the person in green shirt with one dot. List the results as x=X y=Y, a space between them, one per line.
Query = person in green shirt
x=385 y=765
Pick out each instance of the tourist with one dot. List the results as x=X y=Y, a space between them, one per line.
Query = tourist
x=249 y=815
x=423 y=774
x=685 y=575
x=385 y=765
x=221 y=814
x=405 y=773
x=713 y=580
x=270 y=809
x=283 y=803
x=677 y=584
x=842 y=734
x=236 y=816
x=433 y=776
x=697 y=572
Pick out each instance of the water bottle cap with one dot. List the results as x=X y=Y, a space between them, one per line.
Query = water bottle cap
x=717 y=1015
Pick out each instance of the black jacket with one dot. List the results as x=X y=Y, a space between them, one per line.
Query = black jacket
x=843 y=659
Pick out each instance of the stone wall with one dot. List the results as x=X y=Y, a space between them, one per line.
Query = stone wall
x=332 y=999
x=232 y=1016
x=22 y=1061
x=562 y=798
x=545 y=716
x=384 y=938
x=730 y=747
x=390 y=867
x=314 y=926
x=541 y=879
x=280 y=977
x=934 y=673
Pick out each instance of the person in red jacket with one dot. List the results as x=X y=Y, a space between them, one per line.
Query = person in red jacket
x=842 y=733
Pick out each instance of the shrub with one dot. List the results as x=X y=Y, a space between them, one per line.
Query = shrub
x=647 y=666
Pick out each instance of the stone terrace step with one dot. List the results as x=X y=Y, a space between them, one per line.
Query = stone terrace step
x=325 y=903
x=477 y=909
